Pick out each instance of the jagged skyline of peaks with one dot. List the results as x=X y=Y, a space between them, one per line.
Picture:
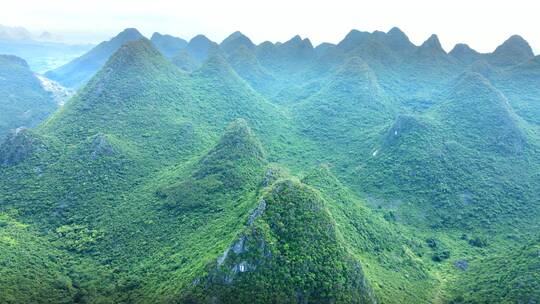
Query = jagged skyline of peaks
x=455 y=22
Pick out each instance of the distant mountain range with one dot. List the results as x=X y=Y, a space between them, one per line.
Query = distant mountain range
x=369 y=171
x=190 y=54
x=15 y=33
x=42 y=52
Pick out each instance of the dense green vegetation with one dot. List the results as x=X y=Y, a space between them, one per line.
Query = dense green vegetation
x=23 y=102
x=281 y=259
x=371 y=171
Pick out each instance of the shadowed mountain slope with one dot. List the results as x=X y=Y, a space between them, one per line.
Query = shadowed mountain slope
x=24 y=102
x=168 y=45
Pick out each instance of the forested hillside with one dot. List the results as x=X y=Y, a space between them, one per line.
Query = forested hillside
x=370 y=171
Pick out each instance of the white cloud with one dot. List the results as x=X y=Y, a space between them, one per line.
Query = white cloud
x=481 y=24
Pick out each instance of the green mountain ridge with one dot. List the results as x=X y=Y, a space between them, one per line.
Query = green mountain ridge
x=24 y=101
x=267 y=264
x=168 y=45
x=77 y=72
x=481 y=129
x=354 y=89
x=200 y=47
x=513 y=51
x=488 y=114
x=465 y=54
x=246 y=64
x=235 y=41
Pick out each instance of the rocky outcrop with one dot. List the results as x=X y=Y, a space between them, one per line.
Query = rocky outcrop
x=290 y=236
x=403 y=125
x=19 y=145
x=101 y=146
x=60 y=94
x=240 y=246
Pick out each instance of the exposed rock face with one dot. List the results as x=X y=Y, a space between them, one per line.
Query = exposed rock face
x=403 y=125
x=461 y=264
x=257 y=212
x=280 y=247
x=19 y=145
x=101 y=147
x=240 y=245
x=59 y=93
x=273 y=174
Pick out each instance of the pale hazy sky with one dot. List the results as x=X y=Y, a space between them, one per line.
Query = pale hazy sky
x=481 y=24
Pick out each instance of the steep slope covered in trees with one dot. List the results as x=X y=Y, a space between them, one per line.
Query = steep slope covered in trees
x=24 y=102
